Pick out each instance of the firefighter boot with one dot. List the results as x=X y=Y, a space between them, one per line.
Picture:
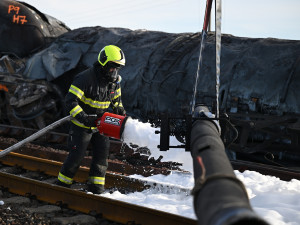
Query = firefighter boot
x=96 y=188
x=58 y=182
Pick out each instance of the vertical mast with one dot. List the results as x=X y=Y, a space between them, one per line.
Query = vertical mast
x=218 y=19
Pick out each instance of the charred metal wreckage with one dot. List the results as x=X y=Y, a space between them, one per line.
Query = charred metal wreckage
x=259 y=91
x=25 y=31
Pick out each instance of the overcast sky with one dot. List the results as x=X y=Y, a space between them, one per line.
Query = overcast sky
x=243 y=18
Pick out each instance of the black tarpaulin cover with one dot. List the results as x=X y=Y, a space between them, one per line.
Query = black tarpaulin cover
x=161 y=67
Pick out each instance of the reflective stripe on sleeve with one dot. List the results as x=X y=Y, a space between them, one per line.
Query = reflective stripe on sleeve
x=77 y=109
x=76 y=91
x=97 y=180
x=64 y=179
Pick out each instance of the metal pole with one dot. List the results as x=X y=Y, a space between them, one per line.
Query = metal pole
x=218 y=18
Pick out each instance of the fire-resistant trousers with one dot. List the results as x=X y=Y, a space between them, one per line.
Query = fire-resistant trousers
x=79 y=139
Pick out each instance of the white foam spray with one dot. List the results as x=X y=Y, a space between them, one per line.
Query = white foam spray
x=143 y=135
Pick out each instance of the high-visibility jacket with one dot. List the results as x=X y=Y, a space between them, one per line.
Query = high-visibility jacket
x=90 y=93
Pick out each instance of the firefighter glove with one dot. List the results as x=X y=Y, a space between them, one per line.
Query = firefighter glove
x=120 y=111
x=90 y=120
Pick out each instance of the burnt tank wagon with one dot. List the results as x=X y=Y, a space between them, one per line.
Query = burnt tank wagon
x=259 y=82
x=25 y=30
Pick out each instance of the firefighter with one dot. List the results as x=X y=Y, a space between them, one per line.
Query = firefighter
x=92 y=92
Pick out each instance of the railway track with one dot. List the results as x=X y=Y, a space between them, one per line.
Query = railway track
x=76 y=198
x=283 y=173
x=51 y=168
x=34 y=177
x=47 y=163
x=129 y=160
x=147 y=167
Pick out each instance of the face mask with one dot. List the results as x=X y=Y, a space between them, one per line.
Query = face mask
x=111 y=72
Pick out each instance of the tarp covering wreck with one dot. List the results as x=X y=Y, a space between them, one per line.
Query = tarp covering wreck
x=256 y=74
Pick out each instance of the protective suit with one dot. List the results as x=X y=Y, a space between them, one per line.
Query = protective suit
x=92 y=92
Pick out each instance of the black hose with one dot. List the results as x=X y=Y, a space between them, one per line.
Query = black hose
x=219 y=197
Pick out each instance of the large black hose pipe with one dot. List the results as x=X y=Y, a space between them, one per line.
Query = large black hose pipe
x=219 y=197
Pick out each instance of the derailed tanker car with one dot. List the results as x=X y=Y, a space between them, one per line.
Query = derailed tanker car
x=24 y=31
x=259 y=81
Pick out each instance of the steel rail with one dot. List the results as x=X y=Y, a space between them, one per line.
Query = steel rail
x=144 y=167
x=52 y=167
x=112 y=180
x=110 y=209
x=283 y=173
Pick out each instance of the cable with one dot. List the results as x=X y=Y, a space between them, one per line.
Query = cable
x=204 y=30
x=218 y=18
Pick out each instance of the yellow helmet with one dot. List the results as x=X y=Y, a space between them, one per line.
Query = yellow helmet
x=111 y=53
